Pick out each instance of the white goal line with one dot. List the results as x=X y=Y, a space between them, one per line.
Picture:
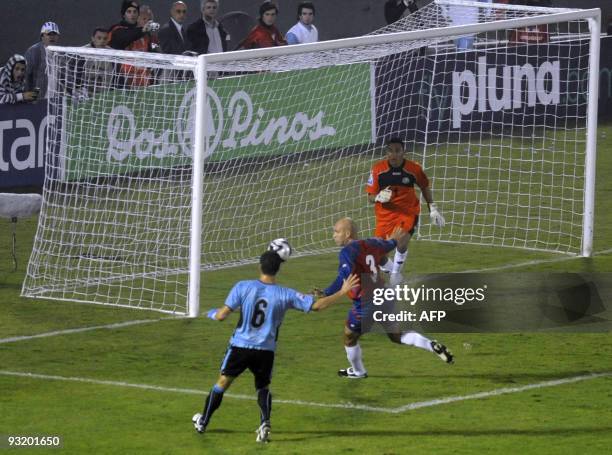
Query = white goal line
x=350 y=406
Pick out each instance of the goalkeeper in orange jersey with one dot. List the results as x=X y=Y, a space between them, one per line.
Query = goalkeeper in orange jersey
x=391 y=189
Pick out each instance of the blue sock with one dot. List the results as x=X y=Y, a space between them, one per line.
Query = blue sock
x=213 y=401
x=264 y=399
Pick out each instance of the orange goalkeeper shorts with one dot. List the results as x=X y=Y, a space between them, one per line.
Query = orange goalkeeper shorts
x=407 y=222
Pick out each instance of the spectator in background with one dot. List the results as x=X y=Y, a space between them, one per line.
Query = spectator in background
x=12 y=82
x=397 y=9
x=173 y=36
x=124 y=34
x=149 y=42
x=36 y=57
x=534 y=34
x=207 y=35
x=304 y=31
x=97 y=74
x=543 y=3
x=132 y=34
x=99 y=39
x=265 y=33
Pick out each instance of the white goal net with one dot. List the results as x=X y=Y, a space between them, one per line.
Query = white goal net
x=497 y=112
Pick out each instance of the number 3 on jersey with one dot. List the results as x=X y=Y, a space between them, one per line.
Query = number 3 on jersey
x=371 y=262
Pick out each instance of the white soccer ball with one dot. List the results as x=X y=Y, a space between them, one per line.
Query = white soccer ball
x=281 y=247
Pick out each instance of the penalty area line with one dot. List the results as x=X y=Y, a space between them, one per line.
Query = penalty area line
x=115 y=325
x=351 y=406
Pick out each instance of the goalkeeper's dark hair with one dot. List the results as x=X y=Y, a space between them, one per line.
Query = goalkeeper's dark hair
x=395 y=140
x=270 y=263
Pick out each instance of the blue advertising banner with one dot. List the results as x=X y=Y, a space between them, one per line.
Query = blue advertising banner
x=447 y=94
x=22 y=141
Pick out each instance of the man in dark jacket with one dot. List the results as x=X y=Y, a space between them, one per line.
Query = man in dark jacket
x=207 y=35
x=173 y=35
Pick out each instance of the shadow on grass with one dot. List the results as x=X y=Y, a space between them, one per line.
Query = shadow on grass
x=5 y=285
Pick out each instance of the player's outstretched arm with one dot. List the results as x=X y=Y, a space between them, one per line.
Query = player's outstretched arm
x=219 y=314
x=347 y=285
x=318 y=293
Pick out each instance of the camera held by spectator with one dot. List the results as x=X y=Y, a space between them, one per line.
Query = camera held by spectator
x=150 y=27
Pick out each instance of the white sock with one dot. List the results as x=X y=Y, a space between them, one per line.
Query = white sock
x=417 y=340
x=353 y=354
x=398 y=261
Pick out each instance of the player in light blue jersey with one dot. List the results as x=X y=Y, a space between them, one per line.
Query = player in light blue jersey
x=262 y=304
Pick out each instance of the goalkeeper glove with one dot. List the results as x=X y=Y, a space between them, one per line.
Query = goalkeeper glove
x=384 y=196
x=436 y=217
x=212 y=313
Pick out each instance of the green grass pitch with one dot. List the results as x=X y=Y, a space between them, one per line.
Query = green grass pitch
x=133 y=389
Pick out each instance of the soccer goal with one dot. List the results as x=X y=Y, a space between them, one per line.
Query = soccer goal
x=160 y=167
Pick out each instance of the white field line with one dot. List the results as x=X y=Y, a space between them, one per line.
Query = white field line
x=496 y=392
x=115 y=325
x=400 y=409
x=146 y=321
x=188 y=391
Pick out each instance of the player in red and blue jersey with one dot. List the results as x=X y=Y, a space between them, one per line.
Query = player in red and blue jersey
x=363 y=257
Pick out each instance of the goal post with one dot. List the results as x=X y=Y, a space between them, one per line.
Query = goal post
x=200 y=144
x=160 y=167
x=588 y=222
